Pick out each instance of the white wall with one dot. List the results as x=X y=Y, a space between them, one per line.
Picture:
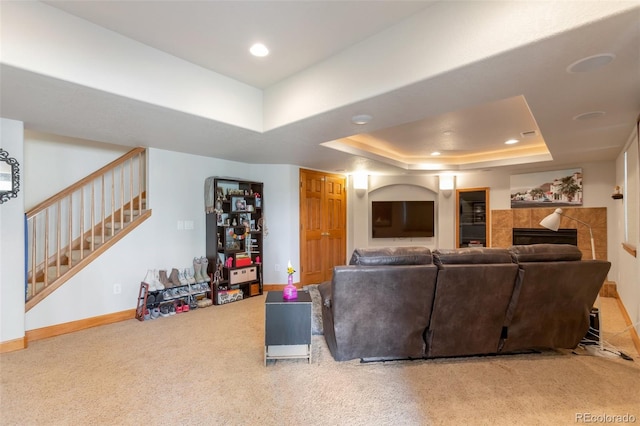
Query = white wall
x=12 y=264
x=627 y=275
x=49 y=157
x=176 y=193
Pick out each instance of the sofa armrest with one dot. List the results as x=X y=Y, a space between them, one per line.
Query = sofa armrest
x=325 y=294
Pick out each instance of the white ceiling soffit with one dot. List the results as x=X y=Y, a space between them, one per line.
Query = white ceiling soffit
x=419 y=68
x=442 y=142
x=216 y=35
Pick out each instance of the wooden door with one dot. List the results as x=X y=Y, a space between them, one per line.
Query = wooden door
x=323 y=214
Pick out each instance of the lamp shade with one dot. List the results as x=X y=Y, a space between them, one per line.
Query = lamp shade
x=553 y=220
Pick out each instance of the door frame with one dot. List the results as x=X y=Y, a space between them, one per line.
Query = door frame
x=487 y=222
x=341 y=177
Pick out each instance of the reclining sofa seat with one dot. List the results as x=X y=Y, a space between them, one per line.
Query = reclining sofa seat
x=379 y=305
x=553 y=297
x=473 y=291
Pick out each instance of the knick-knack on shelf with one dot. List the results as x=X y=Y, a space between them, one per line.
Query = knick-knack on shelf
x=290 y=291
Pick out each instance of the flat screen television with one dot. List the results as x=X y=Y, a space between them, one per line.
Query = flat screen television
x=402 y=219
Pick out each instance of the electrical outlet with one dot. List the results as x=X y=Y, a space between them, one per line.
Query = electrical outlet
x=180 y=225
x=277 y=267
x=117 y=288
x=188 y=225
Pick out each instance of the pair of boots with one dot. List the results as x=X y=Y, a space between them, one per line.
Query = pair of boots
x=152 y=279
x=200 y=266
x=181 y=277
x=158 y=280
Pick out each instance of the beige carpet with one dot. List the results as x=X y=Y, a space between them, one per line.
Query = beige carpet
x=205 y=367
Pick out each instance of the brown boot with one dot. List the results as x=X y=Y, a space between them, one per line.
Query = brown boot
x=163 y=279
x=175 y=281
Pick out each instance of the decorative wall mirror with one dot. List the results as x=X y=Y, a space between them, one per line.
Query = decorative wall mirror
x=9 y=177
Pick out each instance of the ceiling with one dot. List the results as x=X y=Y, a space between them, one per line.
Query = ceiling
x=457 y=78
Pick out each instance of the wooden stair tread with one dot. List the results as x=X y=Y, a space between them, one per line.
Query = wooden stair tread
x=97 y=239
x=115 y=225
x=78 y=254
x=128 y=212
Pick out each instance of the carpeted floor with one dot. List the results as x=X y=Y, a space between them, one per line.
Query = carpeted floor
x=206 y=367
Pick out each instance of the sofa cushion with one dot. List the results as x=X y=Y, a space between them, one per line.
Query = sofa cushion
x=471 y=255
x=391 y=256
x=545 y=253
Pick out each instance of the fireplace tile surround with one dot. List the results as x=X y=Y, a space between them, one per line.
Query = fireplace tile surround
x=503 y=222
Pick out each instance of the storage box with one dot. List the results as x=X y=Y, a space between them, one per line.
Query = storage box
x=228 y=296
x=243 y=275
x=254 y=289
x=242 y=260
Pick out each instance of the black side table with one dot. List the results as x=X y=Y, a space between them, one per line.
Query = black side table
x=287 y=326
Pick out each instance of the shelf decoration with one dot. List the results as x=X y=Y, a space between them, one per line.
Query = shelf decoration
x=290 y=291
x=617 y=193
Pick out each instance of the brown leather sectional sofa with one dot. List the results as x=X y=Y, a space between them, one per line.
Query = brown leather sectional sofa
x=409 y=303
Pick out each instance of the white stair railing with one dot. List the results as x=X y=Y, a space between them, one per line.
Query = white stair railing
x=70 y=225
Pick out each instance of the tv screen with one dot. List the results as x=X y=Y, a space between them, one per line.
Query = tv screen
x=402 y=219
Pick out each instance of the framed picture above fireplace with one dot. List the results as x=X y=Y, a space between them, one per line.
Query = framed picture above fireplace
x=547 y=189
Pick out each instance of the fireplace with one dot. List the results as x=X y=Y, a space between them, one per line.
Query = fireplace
x=524 y=236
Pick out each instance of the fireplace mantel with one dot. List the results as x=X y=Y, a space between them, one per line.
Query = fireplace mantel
x=503 y=222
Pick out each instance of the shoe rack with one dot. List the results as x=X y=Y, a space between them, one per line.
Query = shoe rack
x=234 y=241
x=141 y=306
x=169 y=301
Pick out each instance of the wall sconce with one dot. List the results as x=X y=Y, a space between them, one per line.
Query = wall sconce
x=447 y=184
x=617 y=193
x=360 y=184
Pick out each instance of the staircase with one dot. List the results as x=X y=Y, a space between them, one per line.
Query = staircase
x=72 y=228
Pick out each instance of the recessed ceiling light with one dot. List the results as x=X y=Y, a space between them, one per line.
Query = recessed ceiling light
x=435 y=153
x=361 y=119
x=259 y=50
x=591 y=63
x=589 y=115
x=511 y=141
